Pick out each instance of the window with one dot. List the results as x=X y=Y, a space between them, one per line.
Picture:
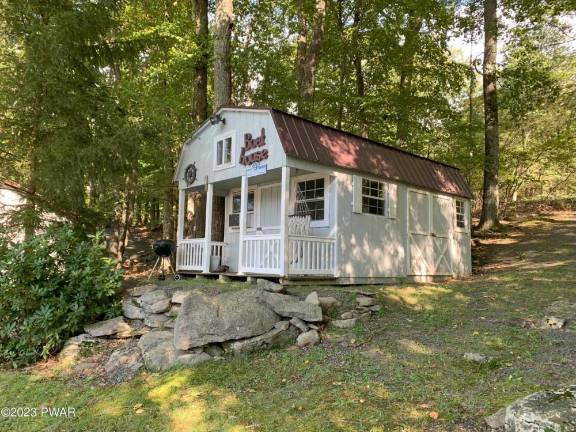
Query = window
x=310 y=199
x=236 y=202
x=460 y=214
x=374 y=197
x=224 y=152
x=234 y=217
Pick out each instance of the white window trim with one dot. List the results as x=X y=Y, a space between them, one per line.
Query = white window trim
x=231 y=134
x=318 y=223
x=230 y=204
x=386 y=198
x=466 y=217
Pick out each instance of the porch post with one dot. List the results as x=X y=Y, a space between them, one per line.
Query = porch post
x=243 y=211
x=180 y=227
x=208 y=228
x=284 y=209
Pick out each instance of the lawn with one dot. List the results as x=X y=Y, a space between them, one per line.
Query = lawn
x=402 y=370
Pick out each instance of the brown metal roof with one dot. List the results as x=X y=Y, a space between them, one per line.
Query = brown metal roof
x=304 y=139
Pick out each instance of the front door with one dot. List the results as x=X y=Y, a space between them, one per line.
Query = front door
x=429 y=227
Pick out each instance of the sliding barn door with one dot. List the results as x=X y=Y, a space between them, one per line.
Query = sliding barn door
x=429 y=230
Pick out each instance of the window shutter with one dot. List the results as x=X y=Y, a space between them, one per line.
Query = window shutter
x=357 y=195
x=392 y=199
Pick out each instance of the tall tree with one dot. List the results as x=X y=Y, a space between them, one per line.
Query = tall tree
x=308 y=52
x=200 y=79
x=224 y=19
x=409 y=50
x=490 y=195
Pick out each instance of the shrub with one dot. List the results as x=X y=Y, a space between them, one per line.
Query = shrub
x=50 y=286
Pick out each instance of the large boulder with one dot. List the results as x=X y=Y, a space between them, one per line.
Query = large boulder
x=233 y=315
x=155 y=301
x=269 y=286
x=290 y=306
x=553 y=411
x=158 y=350
x=112 y=327
x=282 y=334
x=131 y=311
x=123 y=364
x=142 y=289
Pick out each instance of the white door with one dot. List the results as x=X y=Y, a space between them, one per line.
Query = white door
x=429 y=219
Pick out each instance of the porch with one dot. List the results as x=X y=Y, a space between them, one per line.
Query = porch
x=263 y=228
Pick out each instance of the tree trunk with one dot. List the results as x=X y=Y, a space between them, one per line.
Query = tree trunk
x=307 y=55
x=489 y=216
x=200 y=101
x=360 y=85
x=406 y=73
x=222 y=53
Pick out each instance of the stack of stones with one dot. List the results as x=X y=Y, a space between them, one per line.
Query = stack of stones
x=365 y=307
x=166 y=328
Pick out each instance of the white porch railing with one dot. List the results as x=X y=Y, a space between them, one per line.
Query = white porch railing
x=261 y=254
x=190 y=253
x=311 y=255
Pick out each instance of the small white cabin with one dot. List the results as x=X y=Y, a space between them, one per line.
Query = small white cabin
x=266 y=193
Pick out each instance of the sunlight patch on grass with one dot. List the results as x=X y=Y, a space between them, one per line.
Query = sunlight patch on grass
x=415 y=347
x=418 y=298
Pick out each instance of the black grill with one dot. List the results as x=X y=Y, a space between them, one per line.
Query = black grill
x=164 y=248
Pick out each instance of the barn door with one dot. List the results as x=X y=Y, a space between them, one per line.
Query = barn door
x=420 y=247
x=429 y=227
x=440 y=234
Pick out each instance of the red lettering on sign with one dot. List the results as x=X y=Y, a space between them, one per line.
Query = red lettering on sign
x=251 y=144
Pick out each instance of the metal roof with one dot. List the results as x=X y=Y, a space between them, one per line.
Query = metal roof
x=305 y=139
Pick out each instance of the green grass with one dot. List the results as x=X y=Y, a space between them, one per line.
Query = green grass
x=387 y=374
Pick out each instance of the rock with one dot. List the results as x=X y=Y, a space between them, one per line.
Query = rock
x=123 y=364
x=348 y=315
x=71 y=351
x=365 y=293
x=312 y=298
x=130 y=310
x=364 y=316
x=141 y=290
x=496 y=421
x=365 y=301
x=179 y=296
x=554 y=322
x=309 y=338
x=289 y=306
x=170 y=324
x=156 y=320
x=155 y=302
x=153 y=338
x=269 y=286
x=375 y=308
x=276 y=337
x=313 y=326
x=553 y=411
x=344 y=324
x=158 y=350
x=282 y=325
x=232 y=315
x=328 y=303
x=477 y=358
x=173 y=311
x=192 y=359
x=214 y=350
x=299 y=324
x=114 y=326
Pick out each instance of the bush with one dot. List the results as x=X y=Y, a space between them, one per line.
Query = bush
x=50 y=286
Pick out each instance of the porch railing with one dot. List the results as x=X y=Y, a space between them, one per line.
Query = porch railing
x=261 y=254
x=311 y=255
x=190 y=253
